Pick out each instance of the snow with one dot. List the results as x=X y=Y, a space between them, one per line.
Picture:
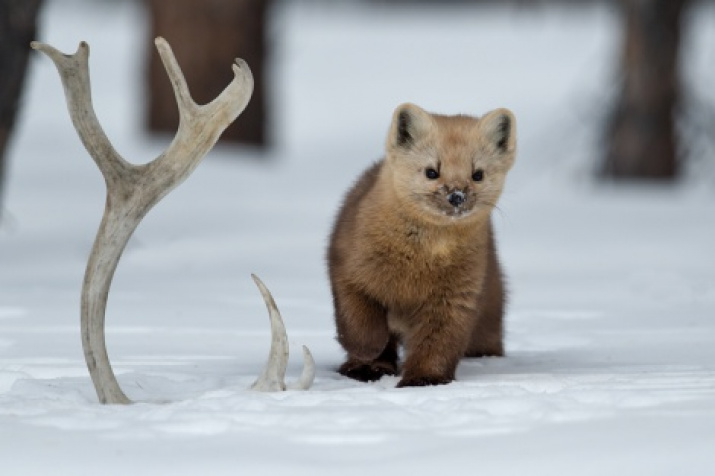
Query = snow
x=611 y=361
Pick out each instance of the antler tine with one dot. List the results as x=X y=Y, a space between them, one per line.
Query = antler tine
x=176 y=76
x=133 y=190
x=74 y=73
x=206 y=122
x=308 y=375
x=273 y=376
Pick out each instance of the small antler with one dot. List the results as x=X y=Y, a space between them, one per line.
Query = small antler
x=132 y=190
x=273 y=377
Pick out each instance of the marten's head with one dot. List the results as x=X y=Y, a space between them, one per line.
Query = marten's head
x=449 y=168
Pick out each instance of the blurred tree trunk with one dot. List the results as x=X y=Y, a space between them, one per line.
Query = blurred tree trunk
x=206 y=36
x=641 y=135
x=18 y=26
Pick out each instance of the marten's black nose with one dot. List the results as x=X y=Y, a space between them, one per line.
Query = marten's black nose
x=456 y=199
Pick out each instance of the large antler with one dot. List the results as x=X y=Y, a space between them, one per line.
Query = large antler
x=132 y=190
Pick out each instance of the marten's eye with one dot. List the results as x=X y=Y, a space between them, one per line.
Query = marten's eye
x=478 y=175
x=432 y=174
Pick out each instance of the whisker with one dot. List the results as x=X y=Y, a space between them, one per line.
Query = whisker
x=493 y=205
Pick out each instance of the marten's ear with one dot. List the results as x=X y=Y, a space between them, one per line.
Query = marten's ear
x=409 y=124
x=499 y=127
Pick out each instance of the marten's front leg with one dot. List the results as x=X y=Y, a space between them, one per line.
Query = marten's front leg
x=362 y=331
x=436 y=343
x=385 y=364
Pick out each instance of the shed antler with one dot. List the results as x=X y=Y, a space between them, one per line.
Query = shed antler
x=273 y=377
x=132 y=190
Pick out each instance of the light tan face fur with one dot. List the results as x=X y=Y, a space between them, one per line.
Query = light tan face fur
x=455 y=147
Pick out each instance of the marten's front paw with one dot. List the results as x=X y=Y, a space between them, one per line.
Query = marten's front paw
x=423 y=381
x=367 y=372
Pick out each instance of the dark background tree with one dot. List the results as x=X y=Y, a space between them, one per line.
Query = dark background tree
x=18 y=25
x=642 y=141
x=206 y=36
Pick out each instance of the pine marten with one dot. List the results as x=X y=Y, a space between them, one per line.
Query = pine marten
x=412 y=258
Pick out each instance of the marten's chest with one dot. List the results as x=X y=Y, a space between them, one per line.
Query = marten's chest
x=405 y=265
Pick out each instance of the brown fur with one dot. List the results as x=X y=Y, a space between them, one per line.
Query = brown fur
x=407 y=266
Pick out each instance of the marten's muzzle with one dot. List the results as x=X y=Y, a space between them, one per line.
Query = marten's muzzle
x=456 y=198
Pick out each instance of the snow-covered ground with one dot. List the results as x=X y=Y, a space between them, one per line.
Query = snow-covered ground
x=611 y=323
